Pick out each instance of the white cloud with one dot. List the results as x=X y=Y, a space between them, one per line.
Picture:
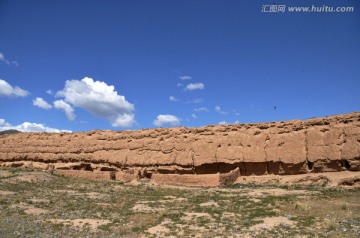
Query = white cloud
x=28 y=127
x=9 y=91
x=196 y=100
x=39 y=102
x=99 y=99
x=6 y=61
x=194 y=86
x=3 y=123
x=179 y=84
x=236 y=112
x=123 y=120
x=166 y=119
x=201 y=109
x=185 y=77
x=15 y=63
x=194 y=116
x=173 y=99
x=226 y=123
x=50 y=92
x=218 y=110
x=69 y=111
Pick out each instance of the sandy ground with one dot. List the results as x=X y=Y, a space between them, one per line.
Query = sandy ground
x=2 y=192
x=92 y=223
x=31 y=176
x=276 y=192
x=198 y=216
x=146 y=208
x=5 y=173
x=28 y=209
x=330 y=178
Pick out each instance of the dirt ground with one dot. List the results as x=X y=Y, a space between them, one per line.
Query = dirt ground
x=40 y=204
x=330 y=179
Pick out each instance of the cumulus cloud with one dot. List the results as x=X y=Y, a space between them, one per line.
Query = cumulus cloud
x=69 y=111
x=50 y=92
x=3 y=123
x=6 y=61
x=226 y=123
x=194 y=86
x=218 y=110
x=201 y=109
x=166 y=119
x=185 y=77
x=99 y=99
x=173 y=99
x=9 y=91
x=28 y=127
x=39 y=102
x=2 y=57
x=123 y=120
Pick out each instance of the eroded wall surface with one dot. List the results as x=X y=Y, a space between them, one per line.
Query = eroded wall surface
x=288 y=147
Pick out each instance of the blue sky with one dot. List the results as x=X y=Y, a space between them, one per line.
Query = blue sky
x=83 y=65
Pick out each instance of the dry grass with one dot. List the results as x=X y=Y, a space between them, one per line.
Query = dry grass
x=46 y=205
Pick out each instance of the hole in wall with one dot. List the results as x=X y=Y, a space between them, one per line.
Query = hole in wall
x=345 y=164
x=310 y=165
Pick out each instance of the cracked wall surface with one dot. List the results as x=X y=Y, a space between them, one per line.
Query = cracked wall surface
x=287 y=147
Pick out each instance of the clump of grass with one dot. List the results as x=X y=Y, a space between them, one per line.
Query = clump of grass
x=331 y=225
x=105 y=227
x=344 y=206
x=304 y=207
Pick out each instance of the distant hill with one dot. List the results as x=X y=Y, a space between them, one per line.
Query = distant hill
x=9 y=132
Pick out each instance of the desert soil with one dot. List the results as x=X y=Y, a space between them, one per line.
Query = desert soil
x=40 y=204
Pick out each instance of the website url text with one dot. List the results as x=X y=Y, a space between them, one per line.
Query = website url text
x=313 y=8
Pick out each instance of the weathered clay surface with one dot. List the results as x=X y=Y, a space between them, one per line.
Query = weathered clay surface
x=290 y=147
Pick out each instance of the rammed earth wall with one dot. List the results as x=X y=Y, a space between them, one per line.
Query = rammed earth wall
x=201 y=156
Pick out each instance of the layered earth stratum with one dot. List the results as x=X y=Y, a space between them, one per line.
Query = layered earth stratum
x=200 y=157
